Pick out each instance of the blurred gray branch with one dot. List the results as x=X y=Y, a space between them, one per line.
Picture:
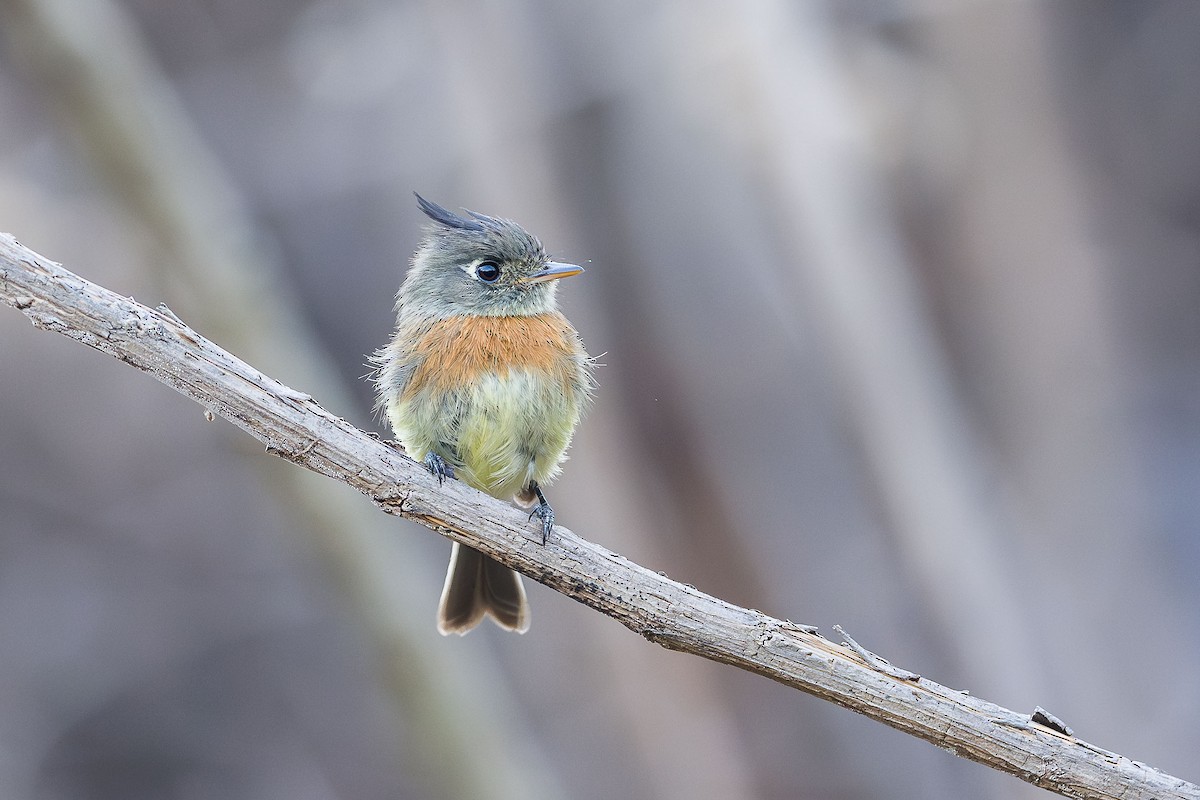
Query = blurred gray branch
x=671 y=614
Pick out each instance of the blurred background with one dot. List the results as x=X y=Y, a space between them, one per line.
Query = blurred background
x=898 y=307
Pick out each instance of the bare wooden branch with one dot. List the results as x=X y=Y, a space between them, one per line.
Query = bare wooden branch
x=679 y=617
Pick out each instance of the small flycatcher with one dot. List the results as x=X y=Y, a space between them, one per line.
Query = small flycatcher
x=484 y=380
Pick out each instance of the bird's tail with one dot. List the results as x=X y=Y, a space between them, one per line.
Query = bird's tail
x=476 y=586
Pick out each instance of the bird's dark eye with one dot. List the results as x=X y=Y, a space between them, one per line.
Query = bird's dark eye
x=488 y=272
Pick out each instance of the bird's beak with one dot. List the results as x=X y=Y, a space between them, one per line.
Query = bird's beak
x=553 y=272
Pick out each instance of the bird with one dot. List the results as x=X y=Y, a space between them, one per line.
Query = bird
x=484 y=380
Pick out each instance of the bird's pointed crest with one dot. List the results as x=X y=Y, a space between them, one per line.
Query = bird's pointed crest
x=447 y=217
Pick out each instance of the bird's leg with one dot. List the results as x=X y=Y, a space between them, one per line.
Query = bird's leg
x=438 y=466
x=542 y=511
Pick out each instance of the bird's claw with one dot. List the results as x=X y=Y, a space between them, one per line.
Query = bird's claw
x=438 y=466
x=545 y=513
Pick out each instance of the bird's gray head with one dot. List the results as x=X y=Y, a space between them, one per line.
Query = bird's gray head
x=476 y=264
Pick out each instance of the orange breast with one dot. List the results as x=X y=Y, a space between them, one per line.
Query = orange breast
x=458 y=349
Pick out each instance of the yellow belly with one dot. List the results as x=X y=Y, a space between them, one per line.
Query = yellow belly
x=506 y=429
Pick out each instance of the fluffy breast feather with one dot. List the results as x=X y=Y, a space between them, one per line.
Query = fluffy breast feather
x=497 y=397
x=456 y=350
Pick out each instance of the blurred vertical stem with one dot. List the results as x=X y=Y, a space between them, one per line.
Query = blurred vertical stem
x=90 y=58
x=927 y=460
x=1034 y=269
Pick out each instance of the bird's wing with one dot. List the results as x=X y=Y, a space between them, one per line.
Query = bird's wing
x=394 y=368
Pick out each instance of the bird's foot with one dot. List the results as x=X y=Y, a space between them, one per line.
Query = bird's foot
x=438 y=466
x=544 y=512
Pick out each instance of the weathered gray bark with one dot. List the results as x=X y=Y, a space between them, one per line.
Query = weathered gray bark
x=677 y=616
